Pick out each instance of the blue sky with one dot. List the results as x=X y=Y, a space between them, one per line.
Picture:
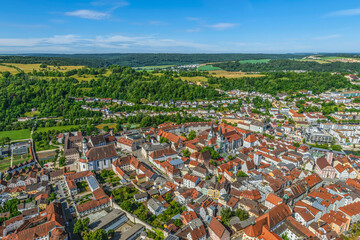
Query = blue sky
x=187 y=26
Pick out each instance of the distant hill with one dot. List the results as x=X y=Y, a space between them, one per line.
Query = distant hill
x=138 y=59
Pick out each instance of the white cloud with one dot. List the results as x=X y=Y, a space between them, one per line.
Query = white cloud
x=88 y=14
x=327 y=37
x=193 y=18
x=32 y=42
x=114 y=43
x=222 y=26
x=156 y=23
x=194 y=30
x=346 y=12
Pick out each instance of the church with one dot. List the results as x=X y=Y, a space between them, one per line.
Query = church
x=99 y=157
x=224 y=140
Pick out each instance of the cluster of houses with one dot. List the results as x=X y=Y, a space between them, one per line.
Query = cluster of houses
x=37 y=216
x=99 y=199
x=300 y=192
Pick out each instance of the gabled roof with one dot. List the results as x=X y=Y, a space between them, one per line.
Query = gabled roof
x=313 y=179
x=272 y=198
x=322 y=163
x=163 y=152
x=275 y=215
x=125 y=141
x=217 y=228
x=101 y=152
x=251 y=138
x=251 y=194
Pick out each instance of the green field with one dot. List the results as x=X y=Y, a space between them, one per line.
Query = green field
x=42 y=146
x=16 y=134
x=332 y=58
x=255 y=61
x=65 y=128
x=208 y=68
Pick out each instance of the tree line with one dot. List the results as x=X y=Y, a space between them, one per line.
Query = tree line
x=285 y=82
x=289 y=65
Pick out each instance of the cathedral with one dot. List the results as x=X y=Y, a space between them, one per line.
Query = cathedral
x=218 y=141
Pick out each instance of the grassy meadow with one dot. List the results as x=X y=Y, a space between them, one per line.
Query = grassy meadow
x=16 y=134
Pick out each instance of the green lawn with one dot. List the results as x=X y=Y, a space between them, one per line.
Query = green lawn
x=45 y=129
x=16 y=134
x=255 y=61
x=208 y=68
x=42 y=146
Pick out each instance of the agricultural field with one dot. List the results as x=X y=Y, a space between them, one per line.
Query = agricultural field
x=208 y=68
x=255 y=61
x=110 y=125
x=16 y=134
x=60 y=128
x=313 y=60
x=8 y=69
x=226 y=74
x=194 y=79
x=30 y=67
x=329 y=59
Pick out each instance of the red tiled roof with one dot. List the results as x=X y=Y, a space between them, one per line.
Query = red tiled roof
x=188 y=216
x=272 y=198
x=92 y=204
x=253 y=194
x=251 y=138
x=217 y=228
x=125 y=141
x=163 y=152
x=313 y=179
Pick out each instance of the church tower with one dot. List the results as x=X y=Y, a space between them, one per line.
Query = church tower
x=211 y=133
x=84 y=146
x=220 y=141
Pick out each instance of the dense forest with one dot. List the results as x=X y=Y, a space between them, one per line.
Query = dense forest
x=276 y=82
x=52 y=93
x=20 y=93
x=126 y=84
x=290 y=65
x=136 y=59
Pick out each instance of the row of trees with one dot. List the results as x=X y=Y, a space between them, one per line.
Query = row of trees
x=286 y=64
x=289 y=82
x=138 y=59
